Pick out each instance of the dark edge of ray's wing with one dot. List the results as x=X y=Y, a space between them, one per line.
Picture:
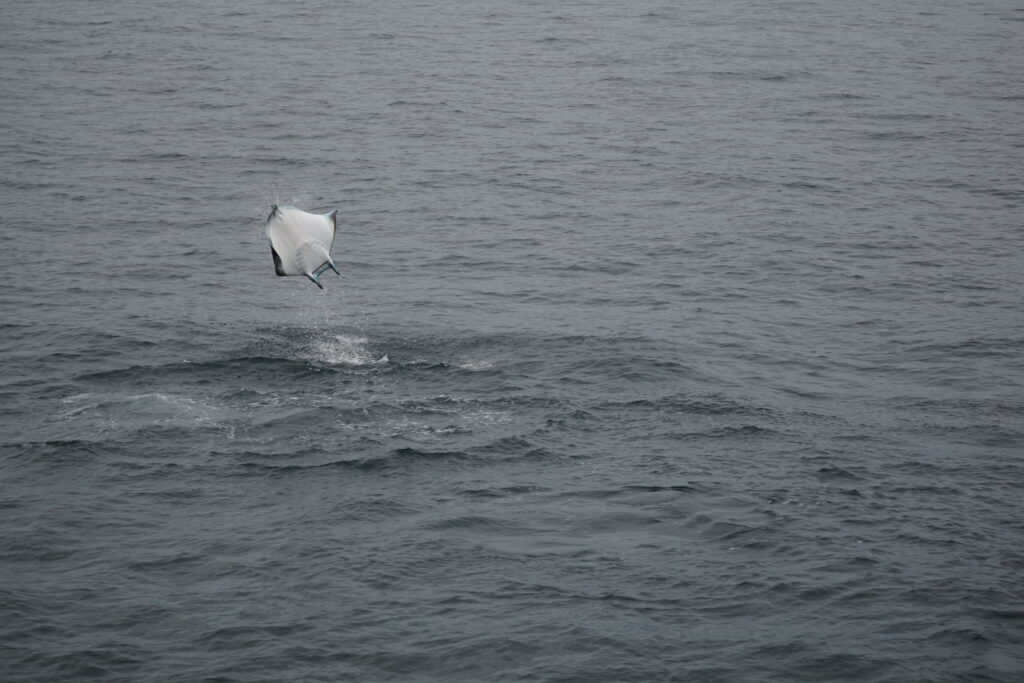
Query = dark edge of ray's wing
x=278 y=269
x=333 y=215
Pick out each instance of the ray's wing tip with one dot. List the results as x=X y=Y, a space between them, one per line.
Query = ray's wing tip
x=278 y=267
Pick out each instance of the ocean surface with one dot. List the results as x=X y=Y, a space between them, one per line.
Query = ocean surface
x=674 y=341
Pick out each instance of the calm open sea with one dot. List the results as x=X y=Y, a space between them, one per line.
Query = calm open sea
x=673 y=341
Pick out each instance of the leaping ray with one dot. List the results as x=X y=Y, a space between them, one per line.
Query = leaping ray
x=301 y=242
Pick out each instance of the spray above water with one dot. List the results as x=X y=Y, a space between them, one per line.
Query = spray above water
x=340 y=349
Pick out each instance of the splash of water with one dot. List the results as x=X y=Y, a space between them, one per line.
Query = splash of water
x=340 y=349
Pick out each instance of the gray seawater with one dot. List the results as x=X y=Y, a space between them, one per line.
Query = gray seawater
x=674 y=341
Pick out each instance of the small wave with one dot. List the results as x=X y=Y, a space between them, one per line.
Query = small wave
x=150 y=415
x=410 y=421
x=478 y=523
x=192 y=371
x=55 y=451
x=416 y=103
x=698 y=404
x=513 y=491
x=396 y=458
x=833 y=472
x=151 y=405
x=477 y=365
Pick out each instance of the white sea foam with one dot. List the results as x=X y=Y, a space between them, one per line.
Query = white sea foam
x=106 y=413
x=161 y=407
x=477 y=365
x=340 y=349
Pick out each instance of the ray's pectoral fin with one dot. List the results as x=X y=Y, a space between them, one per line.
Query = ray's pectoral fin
x=279 y=269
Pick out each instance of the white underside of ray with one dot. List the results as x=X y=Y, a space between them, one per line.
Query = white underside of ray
x=301 y=242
